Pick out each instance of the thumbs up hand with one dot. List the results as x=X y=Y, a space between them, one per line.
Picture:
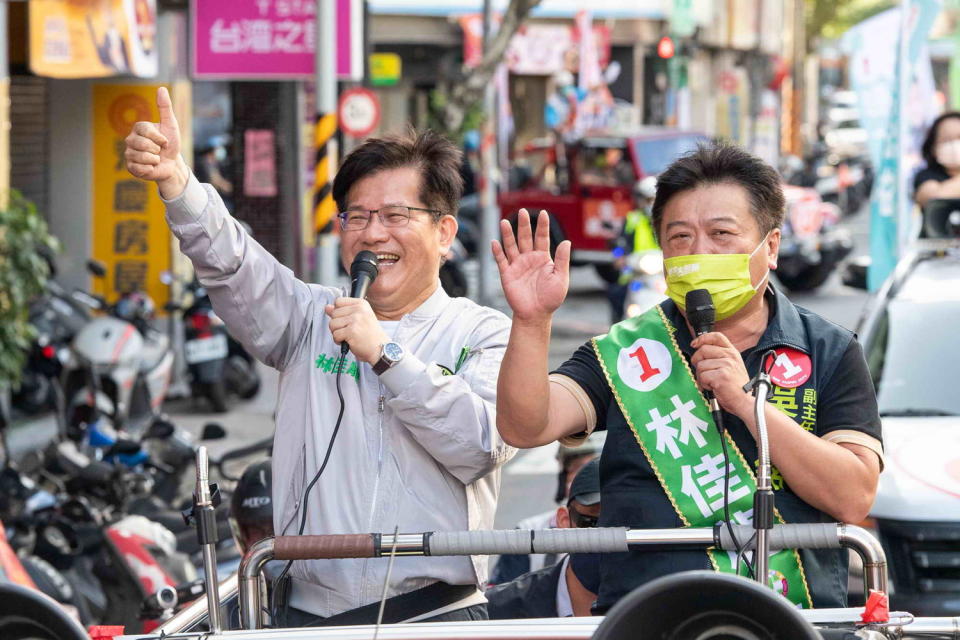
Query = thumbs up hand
x=153 y=150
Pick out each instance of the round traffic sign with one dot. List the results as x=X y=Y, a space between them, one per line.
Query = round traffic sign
x=359 y=112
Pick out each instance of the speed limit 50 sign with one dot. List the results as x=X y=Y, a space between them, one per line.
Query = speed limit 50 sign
x=359 y=112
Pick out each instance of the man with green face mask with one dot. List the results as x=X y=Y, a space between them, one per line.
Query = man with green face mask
x=717 y=215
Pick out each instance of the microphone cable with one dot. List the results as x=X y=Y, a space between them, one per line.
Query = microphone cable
x=281 y=585
x=718 y=421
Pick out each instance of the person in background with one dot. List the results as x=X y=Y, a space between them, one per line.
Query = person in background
x=211 y=167
x=636 y=236
x=471 y=162
x=571 y=460
x=567 y=587
x=940 y=178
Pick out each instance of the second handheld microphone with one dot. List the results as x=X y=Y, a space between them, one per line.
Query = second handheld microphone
x=363 y=272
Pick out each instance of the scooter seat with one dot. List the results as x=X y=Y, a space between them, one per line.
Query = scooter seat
x=155 y=347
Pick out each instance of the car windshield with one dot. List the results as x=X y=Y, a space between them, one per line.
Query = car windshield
x=909 y=364
x=656 y=153
x=605 y=166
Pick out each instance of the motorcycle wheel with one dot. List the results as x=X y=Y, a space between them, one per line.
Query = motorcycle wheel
x=216 y=393
x=34 y=395
x=241 y=376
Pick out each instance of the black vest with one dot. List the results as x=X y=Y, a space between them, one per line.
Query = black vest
x=633 y=497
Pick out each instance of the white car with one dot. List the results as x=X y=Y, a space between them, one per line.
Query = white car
x=912 y=345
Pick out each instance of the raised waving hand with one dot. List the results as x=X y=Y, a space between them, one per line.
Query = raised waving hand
x=535 y=285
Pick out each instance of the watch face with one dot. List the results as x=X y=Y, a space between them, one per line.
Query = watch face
x=392 y=351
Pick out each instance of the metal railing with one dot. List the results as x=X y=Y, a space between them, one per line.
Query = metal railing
x=595 y=540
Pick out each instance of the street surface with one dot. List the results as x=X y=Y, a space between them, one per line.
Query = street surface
x=529 y=480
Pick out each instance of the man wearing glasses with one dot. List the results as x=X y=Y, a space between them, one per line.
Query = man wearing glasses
x=418 y=448
x=568 y=587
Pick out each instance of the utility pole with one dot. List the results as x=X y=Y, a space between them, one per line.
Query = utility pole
x=324 y=208
x=489 y=213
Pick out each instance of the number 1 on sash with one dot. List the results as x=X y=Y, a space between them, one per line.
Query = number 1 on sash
x=648 y=370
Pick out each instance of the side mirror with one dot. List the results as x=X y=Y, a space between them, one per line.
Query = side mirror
x=171 y=306
x=97 y=268
x=213 y=431
x=854 y=273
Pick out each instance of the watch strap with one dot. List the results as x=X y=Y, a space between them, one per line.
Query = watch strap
x=381 y=365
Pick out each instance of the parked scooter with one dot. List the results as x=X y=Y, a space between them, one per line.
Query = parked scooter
x=110 y=558
x=119 y=367
x=843 y=181
x=57 y=318
x=30 y=572
x=646 y=286
x=812 y=242
x=217 y=364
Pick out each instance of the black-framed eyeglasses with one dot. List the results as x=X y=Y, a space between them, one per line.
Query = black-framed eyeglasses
x=393 y=215
x=582 y=520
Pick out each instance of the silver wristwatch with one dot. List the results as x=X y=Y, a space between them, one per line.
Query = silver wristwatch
x=390 y=354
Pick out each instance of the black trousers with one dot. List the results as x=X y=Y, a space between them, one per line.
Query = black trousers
x=298 y=618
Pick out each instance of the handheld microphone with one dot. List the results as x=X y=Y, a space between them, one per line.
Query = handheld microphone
x=702 y=314
x=363 y=272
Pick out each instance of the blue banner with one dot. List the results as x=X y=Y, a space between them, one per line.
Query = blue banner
x=876 y=68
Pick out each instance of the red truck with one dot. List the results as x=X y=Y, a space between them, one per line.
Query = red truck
x=587 y=185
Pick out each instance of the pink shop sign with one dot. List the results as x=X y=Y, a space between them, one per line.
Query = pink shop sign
x=268 y=39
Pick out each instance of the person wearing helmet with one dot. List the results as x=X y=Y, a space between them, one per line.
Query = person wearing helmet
x=470 y=162
x=251 y=520
x=636 y=236
x=251 y=506
x=637 y=232
x=571 y=460
x=211 y=167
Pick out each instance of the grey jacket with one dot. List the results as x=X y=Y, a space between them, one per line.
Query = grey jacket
x=418 y=448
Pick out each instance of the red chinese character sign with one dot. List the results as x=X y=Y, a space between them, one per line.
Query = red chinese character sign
x=259 y=164
x=275 y=39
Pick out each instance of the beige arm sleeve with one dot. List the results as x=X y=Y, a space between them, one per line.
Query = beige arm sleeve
x=589 y=413
x=856 y=437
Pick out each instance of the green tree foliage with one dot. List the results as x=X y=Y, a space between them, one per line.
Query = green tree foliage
x=456 y=101
x=23 y=274
x=831 y=18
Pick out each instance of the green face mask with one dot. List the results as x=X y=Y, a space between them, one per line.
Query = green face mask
x=725 y=275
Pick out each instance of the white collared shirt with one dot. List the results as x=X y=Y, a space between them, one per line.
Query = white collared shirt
x=564 y=605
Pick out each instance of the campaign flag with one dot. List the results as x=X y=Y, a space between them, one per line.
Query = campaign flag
x=885 y=80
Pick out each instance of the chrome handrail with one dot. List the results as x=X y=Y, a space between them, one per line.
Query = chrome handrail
x=810 y=536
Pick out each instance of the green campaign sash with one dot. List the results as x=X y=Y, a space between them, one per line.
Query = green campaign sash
x=657 y=393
